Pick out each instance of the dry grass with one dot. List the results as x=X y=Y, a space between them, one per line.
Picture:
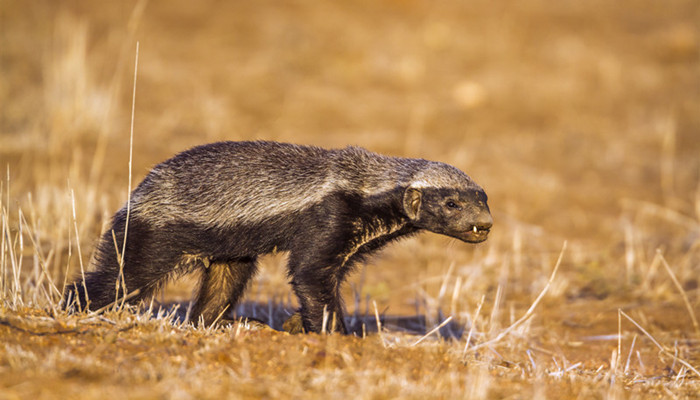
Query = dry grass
x=580 y=119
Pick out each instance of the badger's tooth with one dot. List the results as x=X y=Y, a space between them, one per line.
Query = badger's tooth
x=474 y=228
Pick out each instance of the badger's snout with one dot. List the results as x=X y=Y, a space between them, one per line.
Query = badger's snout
x=482 y=222
x=478 y=228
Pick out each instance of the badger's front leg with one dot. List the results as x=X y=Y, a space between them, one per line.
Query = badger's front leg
x=316 y=283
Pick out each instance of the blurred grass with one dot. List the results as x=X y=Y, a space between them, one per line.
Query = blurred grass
x=579 y=119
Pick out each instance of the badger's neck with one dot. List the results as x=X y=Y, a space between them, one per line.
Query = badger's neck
x=373 y=174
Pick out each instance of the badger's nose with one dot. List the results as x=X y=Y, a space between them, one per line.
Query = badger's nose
x=483 y=221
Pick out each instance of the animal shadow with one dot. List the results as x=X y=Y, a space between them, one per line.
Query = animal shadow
x=274 y=314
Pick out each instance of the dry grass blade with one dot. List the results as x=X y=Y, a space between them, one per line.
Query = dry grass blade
x=3 y=271
x=77 y=242
x=681 y=291
x=131 y=158
x=530 y=311
x=125 y=298
x=619 y=335
x=324 y=323
x=42 y=260
x=437 y=328
x=379 y=323
x=218 y=317
x=120 y=276
x=471 y=328
x=629 y=355
x=660 y=347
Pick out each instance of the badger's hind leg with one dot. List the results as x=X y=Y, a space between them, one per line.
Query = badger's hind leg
x=222 y=285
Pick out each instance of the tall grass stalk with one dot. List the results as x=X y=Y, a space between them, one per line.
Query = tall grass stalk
x=684 y=296
x=120 y=277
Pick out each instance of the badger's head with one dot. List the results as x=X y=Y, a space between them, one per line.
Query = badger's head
x=444 y=200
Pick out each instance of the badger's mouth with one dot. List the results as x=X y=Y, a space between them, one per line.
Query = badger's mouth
x=475 y=234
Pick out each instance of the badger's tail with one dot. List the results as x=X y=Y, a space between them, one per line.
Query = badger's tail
x=147 y=263
x=98 y=288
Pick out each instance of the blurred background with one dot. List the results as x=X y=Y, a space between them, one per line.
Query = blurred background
x=580 y=119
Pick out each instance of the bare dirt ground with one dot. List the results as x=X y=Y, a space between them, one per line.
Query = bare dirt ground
x=580 y=119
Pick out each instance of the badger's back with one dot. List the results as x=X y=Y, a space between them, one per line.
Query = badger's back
x=225 y=183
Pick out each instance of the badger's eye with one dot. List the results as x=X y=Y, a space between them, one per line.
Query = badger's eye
x=452 y=204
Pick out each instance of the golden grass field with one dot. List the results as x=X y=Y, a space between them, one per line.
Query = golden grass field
x=580 y=119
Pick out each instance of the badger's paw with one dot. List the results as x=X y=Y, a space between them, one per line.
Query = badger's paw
x=294 y=324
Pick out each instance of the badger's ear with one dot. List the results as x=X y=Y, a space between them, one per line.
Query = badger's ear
x=412 y=199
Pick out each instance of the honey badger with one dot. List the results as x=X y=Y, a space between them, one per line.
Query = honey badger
x=217 y=207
